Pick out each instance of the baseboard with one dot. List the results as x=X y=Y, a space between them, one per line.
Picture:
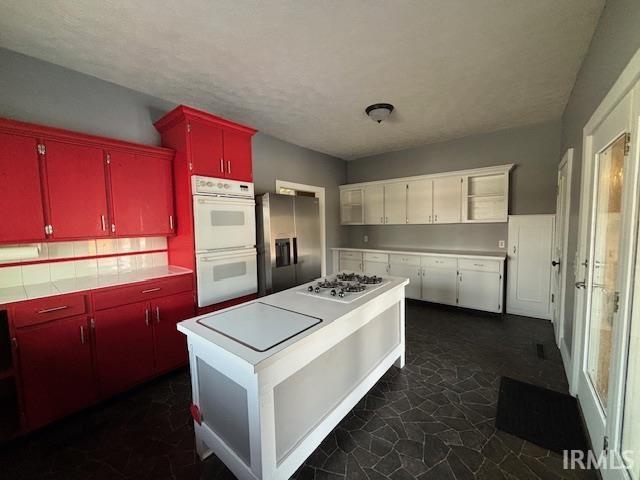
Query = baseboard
x=526 y=313
x=566 y=362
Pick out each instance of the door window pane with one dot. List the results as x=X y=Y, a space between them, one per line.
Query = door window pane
x=605 y=265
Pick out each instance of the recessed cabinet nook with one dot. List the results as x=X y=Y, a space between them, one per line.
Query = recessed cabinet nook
x=468 y=196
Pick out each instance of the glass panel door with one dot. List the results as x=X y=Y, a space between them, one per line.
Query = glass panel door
x=605 y=285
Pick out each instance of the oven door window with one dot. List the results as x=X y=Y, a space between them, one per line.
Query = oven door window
x=229 y=270
x=227 y=218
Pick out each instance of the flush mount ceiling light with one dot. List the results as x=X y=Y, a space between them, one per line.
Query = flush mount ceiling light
x=379 y=111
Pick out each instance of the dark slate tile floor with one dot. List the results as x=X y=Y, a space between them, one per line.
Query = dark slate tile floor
x=432 y=420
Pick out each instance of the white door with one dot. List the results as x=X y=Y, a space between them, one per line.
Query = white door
x=610 y=177
x=395 y=203
x=376 y=268
x=350 y=265
x=529 y=265
x=439 y=285
x=374 y=204
x=560 y=247
x=412 y=272
x=479 y=290
x=447 y=195
x=420 y=201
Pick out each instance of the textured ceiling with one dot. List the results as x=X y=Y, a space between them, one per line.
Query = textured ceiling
x=305 y=70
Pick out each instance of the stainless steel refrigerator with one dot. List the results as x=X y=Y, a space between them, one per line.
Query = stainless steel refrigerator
x=288 y=240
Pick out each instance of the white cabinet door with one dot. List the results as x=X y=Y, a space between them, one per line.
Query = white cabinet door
x=374 y=205
x=395 y=203
x=529 y=274
x=439 y=285
x=351 y=203
x=447 y=195
x=420 y=201
x=350 y=265
x=375 y=268
x=480 y=290
x=412 y=272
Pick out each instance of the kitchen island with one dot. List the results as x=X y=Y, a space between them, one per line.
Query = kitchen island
x=271 y=378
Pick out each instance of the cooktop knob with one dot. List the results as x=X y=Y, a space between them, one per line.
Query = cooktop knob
x=317 y=289
x=310 y=288
x=333 y=292
x=341 y=293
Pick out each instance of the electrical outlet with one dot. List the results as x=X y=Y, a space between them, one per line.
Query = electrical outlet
x=500 y=243
x=365 y=238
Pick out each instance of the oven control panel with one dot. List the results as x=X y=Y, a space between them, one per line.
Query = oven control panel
x=221 y=187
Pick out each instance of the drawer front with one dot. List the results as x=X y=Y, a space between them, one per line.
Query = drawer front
x=404 y=259
x=440 y=262
x=348 y=255
x=376 y=257
x=142 y=291
x=47 y=309
x=479 y=265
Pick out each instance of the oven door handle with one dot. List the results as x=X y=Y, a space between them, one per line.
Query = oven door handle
x=245 y=202
x=227 y=257
x=295 y=250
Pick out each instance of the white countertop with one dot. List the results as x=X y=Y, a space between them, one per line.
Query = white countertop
x=326 y=310
x=496 y=255
x=80 y=284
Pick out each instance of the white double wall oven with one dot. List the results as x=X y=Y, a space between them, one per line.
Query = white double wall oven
x=225 y=238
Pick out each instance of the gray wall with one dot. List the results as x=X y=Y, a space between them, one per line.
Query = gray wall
x=40 y=92
x=615 y=41
x=535 y=151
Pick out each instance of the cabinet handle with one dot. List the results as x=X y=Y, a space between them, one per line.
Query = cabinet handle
x=229 y=166
x=54 y=309
x=92 y=324
x=381 y=219
x=222 y=165
x=82 y=340
x=460 y=278
x=157 y=314
x=146 y=316
x=171 y=222
x=150 y=290
x=429 y=218
x=514 y=249
x=104 y=223
x=436 y=218
x=113 y=228
x=386 y=219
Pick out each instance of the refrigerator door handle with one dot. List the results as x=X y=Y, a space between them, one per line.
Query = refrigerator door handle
x=295 y=250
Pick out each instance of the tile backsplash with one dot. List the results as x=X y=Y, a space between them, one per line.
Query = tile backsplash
x=31 y=274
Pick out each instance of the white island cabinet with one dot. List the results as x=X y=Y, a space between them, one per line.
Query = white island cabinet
x=271 y=378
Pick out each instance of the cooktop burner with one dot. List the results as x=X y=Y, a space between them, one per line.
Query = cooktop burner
x=364 y=279
x=344 y=287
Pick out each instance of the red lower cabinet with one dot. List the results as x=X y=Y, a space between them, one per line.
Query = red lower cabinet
x=56 y=372
x=171 y=345
x=124 y=347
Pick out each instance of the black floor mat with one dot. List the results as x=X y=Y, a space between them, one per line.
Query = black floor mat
x=544 y=417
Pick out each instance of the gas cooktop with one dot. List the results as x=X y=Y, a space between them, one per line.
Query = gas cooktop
x=344 y=287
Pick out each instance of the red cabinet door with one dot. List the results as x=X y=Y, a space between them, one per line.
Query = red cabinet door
x=142 y=194
x=123 y=347
x=206 y=149
x=77 y=190
x=21 y=208
x=55 y=369
x=237 y=155
x=171 y=345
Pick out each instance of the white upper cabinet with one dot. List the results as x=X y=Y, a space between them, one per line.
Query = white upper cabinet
x=351 y=206
x=485 y=198
x=420 y=201
x=469 y=196
x=374 y=204
x=395 y=203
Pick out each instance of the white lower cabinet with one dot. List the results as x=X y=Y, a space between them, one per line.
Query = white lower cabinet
x=439 y=285
x=466 y=281
x=481 y=290
x=412 y=272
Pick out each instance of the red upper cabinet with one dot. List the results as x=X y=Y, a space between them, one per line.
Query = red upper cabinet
x=205 y=142
x=77 y=194
x=216 y=147
x=237 y=155
x=141 y=194
x=21 y=207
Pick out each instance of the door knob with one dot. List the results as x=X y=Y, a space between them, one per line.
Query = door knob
x=580 y=285
x=554 y=263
